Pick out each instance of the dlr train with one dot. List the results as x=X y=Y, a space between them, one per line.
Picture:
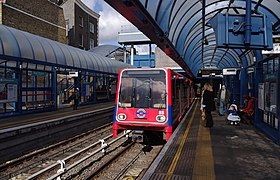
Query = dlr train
x=151 y=100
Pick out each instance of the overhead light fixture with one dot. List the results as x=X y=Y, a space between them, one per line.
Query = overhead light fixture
x=205 y=41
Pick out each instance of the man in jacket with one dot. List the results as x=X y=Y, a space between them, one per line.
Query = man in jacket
x=223 y=99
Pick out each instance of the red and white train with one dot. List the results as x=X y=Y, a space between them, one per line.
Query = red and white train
x=151 y=99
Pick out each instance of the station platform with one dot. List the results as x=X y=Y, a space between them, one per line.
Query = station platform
x=26 y=119
x=221 y=152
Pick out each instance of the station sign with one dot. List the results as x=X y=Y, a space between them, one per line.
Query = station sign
x=73 y=74
x=230 y=71
x=276 y=46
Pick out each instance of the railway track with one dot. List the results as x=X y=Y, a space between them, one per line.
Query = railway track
x=93 y=155
x=23 y=167
x=18 y=141
x=120 y=158
x=130 y=163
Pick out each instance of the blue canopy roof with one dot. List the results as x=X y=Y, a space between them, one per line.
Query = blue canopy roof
x=178 y=26
x=19 y=45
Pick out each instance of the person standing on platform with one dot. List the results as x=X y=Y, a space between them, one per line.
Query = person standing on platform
x=208 y=104
x=76 y=96
x=223 y=100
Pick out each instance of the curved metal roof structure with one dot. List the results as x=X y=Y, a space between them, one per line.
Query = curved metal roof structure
x=180 y=26
x=19 y=45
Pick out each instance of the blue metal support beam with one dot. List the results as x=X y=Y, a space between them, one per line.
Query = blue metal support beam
x=203 y=30
x=54 y=86
x=243 y=77
x=248 y=25
x=257 y=5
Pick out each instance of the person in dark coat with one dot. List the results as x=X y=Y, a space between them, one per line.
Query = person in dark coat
x=76 y=96
x=208 y=104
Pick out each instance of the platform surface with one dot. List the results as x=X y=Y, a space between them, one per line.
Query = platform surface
x=222 y=152
x=26 y=119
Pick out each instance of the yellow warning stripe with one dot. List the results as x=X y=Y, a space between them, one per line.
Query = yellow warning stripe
x=204 y=162
x=179 y=150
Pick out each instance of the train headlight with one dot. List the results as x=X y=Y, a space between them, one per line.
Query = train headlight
x=160 y=118
x=121 y=117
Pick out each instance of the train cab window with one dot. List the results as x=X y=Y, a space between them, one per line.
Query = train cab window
x=159 y=94
x=125 y=94
x=143 y=90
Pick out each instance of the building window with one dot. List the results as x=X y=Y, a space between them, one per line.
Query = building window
x=81 y=40
x=91 y=44
x=67 y=24
x=91 y=27
x=81 y=21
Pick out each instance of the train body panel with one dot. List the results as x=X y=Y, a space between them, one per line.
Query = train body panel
x=144 y=100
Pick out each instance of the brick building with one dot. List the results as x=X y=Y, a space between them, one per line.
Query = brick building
x=81 y=24
x=43 y=18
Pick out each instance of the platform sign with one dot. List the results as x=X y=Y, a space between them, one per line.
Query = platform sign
x=8 y=92
x=12 y=92
x=73 y=74
x=276 y=46
x=229 y=71
x=230 y=31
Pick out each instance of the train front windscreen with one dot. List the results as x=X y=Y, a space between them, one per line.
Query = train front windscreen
x=143 y=89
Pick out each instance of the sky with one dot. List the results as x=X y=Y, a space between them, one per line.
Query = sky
x=110 y=22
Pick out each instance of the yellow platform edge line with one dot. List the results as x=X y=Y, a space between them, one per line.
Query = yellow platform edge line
x=179 y=150
x=204 y=161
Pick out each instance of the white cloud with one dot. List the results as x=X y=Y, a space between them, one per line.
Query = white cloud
x=110 y=21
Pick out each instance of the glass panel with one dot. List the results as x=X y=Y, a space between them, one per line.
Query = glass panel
x=41 y=80
x=10 y=107
x=24 y=78
x=125 y=95
x=24 y=65
x=2 y=72
x=3 y=92
x=2 y=108
x=273 y=97
x=10 y=73
x=40 y=67
x=11 y=63
x=265 y=68
x=31 y=80
x=142 y=92
x=276 y=65
x=158 y=95
x=48 y=68
x=31 y=66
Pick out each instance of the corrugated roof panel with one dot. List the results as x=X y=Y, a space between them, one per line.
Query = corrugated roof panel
x=20 y=45
x=75 y=57
x=9 y=42
x=94 y=63
x=106 y=64
x=68 y=56
x=50 y=54
x=81 y=59
x=98 y=61
x=24 y=45
x=39 y=53
x=60 y=58
x=88 y=61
